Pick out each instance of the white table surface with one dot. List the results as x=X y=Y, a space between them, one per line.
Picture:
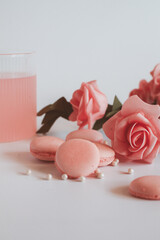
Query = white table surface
x=34 y=208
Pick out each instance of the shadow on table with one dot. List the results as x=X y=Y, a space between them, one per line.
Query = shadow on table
x=25 y=161
x=122 y=191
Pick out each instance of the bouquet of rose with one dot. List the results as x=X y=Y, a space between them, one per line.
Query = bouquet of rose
x=134 y=127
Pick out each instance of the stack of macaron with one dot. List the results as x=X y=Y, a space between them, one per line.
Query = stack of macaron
x=45 y=147
x=80 y=155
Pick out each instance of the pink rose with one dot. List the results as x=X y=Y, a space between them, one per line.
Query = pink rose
x=156 y=74
x=135 y=130
x=89 y=104
x=156 y=83
x=144 y=91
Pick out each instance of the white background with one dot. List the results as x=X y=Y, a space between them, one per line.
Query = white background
x=115 y=42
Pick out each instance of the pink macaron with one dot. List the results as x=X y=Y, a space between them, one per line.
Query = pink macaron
x=77 y=157
x=147 y=187
x=88 y=134
x=45 y=147
x=107 y=154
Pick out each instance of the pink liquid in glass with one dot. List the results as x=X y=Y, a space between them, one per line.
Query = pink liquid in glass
x=17 y=108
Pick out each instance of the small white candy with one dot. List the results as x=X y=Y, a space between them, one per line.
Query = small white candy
x=100 y=175
x=28 y=172
x=97 y=171
x=49 y=176
x=64 y=176
x=130 y=170
x=116 y=160
x=114 y=163
x=82 y=179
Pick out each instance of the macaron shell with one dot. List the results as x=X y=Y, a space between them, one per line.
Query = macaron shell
x=107 y=154
x=50 y=157
x=88 y=134
x=45 y=147
x=147 y=187
x=77 y=157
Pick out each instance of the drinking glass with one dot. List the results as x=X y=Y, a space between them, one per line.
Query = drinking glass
x=17 y=96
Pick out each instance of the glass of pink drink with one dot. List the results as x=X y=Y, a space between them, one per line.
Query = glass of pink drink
x=17 y=96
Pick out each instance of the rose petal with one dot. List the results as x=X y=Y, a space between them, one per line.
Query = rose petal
x=152 y=112
x=109 y=126
x=153 y=154
x=123 y=123
x=135 y=104
x=137 y=155
x=129 y=134
x=152 y=140
x=120 y=147
x=94 y=84
x=95 y=98
x=76 y=98
x=99 y=102
x=139 y=127
x=143 y=83
x=141 y=145
x=82 y=106
x=139 y=139
x=89 y=104
x=155 y=71
x=73 y=115
x=89 y=109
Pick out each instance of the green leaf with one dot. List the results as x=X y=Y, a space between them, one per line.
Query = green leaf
x=61 y=105
x=45 y=110
x=66 y=109
x=61 y=108
x=110 y=112
x=50 y=116
x=109 y=109
x=98 y=124
x=46 y=127
x=109 y=115
x=116 y=104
